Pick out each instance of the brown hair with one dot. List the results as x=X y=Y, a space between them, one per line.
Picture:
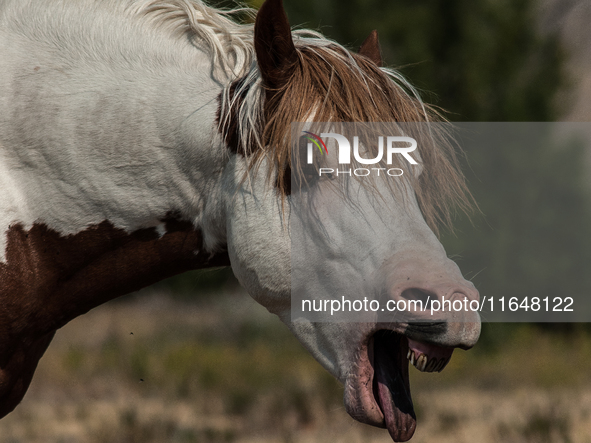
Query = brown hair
x=328 y=83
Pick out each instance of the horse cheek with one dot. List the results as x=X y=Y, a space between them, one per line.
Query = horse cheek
x=259 y=244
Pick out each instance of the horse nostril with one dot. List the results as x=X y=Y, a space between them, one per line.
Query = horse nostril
x=419 y=294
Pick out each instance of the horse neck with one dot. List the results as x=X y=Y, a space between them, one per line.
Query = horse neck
x=111 y=175
x=123 y=141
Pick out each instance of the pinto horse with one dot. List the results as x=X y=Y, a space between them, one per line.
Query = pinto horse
x=143 y=138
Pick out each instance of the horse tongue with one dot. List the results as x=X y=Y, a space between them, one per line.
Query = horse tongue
x=392 y=387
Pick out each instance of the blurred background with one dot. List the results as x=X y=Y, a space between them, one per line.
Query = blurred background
x=193 y=359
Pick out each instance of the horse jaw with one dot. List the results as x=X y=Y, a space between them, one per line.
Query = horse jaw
x=258 y=240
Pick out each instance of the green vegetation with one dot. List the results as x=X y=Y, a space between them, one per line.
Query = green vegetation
x=483 y=60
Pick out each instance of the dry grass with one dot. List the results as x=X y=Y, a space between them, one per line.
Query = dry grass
x=223 y=370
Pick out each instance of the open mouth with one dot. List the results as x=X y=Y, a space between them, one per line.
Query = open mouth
x=389 y=355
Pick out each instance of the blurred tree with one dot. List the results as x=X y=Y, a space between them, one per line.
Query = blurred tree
x=484 y=59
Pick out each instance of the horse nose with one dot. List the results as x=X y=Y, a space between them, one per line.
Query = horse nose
x=443 y=313
x=442 y=296
x=437 y=303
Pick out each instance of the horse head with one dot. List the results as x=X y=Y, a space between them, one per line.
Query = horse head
x=389 y=240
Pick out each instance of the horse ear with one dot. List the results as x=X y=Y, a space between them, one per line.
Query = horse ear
x=370 y=48
x=273 y=43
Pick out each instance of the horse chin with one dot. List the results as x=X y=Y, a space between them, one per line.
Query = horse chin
x=378 y=391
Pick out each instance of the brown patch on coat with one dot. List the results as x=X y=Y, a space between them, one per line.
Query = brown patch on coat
x=49 y=279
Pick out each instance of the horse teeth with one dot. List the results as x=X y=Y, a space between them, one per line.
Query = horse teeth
x=421 y=362
x=425 y=364
x=442 y=364
x=431 y=365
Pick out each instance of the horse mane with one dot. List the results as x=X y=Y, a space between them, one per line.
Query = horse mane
x=329 y=83
x=217 y=30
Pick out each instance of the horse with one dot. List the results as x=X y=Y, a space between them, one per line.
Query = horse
x=140 y=139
